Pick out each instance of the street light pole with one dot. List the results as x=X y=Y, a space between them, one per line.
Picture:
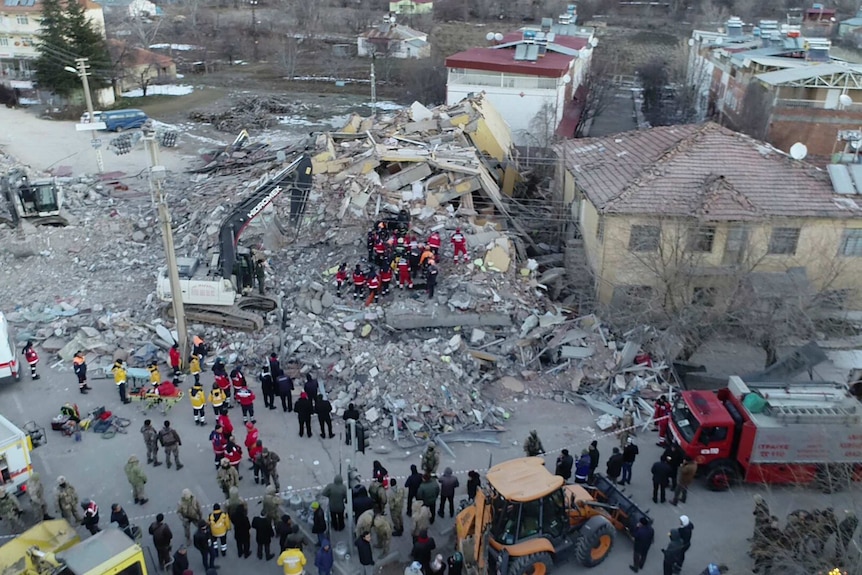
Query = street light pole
x=82 y=72
x=254 y=25
x=157 y=174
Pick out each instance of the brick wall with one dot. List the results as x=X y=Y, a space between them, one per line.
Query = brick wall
x=816 y=128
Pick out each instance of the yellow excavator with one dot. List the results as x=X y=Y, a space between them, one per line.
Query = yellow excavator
x=54 y=548
x=527 y=519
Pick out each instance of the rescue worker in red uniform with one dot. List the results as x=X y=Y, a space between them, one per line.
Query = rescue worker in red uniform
x=340 y=278
x=660 y=416
x=434 y=243
x=459 y=243
x=174 y=358
x=252 y=435
x=233 y=452
x=413 y=258
x=253 y=452
x=245 y=397
x=237 y=377
x=358 y=282
x=32 y=358
x=379 y=251
x=385 y=279
x=404 y=279
x=223 y=384
x=373 y=288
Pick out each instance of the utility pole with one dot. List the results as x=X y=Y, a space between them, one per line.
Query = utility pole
x=157 y=174
x=373 y=89
x=82 y=72
x=254 y=25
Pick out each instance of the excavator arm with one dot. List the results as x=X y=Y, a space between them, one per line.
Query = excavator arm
x=297 y=177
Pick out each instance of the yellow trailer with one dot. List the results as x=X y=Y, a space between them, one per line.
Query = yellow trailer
x=53 y=547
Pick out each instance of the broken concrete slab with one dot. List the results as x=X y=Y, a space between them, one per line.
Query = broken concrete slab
x=570 y=352
x=497 y=259
x=408 y=317
x=511 y=383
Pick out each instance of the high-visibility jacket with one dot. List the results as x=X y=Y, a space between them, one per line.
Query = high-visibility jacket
x=217 y=397
x=245 y=396
x=155 y=376
x=434 y=241
x=293 y=561
x=198 y=397
x=119 y=374
x=219 y=523
x=31 y=356
x=195 y=365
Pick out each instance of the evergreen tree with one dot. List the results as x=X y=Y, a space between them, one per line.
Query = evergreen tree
x=65 y=34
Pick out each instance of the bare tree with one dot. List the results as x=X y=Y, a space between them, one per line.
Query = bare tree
x=599 y=83
x=289 y=55
x=424 y=80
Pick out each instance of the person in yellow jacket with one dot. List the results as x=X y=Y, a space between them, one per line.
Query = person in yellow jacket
x=217 y=399
x=119 y=370
x=195 y=368
x=219 y=526
x=293 y=561
x=199 y=401
x=155 y=376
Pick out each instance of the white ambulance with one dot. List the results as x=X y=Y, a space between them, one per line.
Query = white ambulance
x=10 y=367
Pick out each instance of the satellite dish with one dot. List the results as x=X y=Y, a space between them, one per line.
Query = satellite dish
x=691 y=41
x=498 y=37
x=489 y=36
x=594 y=42
x=798 y=151
x=845 y=100
x=567 y=79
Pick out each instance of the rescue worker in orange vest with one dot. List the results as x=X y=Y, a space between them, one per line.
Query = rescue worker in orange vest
x=32 y=358
x=358 y=282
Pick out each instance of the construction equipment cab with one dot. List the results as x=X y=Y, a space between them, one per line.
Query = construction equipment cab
x=54 y=548
x=527 y=520
x=229 y=271
x=16 y=465
x=771 y=433
x=38 y=199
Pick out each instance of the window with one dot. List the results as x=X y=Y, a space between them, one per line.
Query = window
x=529 y=525
x=851 y=244
x=644 y=238
x=700 y=238
x=712 y=435
x=22 y=19
x=703 y=296
x=4 y=41
x=783 y=241
x=600 y=230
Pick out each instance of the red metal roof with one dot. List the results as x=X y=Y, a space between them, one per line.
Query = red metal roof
x=551 y=65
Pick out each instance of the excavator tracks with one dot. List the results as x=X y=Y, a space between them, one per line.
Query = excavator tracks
x=235 y=316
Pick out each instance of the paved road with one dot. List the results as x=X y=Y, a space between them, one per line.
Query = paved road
x=95 y=466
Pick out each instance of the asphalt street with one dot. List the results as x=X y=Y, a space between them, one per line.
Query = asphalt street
x=94 y=466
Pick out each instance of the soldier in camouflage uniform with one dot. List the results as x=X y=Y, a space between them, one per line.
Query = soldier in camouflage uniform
x=272 y=504
x=396 y=506
x=67 y=501
x=189 y=511
x=151 y=440
x=36 y=491
x=270 y=461
x=533 y=445
x=383 y=529
x=364 y=521
x=137 y=479
x=626 y=428
x=10 y=509
x=430 y=460
x=421 y=518
x=227 y=477
x=378 y=495
x=234 y=501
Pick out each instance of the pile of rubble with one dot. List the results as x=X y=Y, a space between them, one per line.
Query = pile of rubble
x=250 y=112
x=416 y=367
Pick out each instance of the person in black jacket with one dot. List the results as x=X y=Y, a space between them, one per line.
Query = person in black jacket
x=311 y=389
x=267 y=387
x=319 y=525
x=412 y=484
x=672 y=553
x=350 y=413
x=474 y=482
x=661 y=472
x=205 y=544
x=363 y=549
x=644 y=536
x=324 y=416
x=674 y=455
x=615 y=465
x=630 y=453
x=263 y=535
x=284 y=387
x=422 y=549
x=304 y=408
x=241 y=530
x=181 y=561
x=594 y=461
x=564 y=465
x=685 y=529
x=362 y=502
x=274 y=366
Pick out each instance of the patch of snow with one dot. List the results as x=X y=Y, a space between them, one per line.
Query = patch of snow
x=387 y=106
x=181 y=76
x=294 y=121
x=180 y=47
x=161 y=89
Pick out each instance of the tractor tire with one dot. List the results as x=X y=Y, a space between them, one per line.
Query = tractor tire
x=594 y=545
x=540 y=562
x=721 y=477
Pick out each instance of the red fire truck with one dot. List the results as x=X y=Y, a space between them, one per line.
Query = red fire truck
x=771 y=433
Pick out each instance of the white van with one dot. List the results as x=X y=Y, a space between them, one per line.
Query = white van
x=97 y=114
x=9 y=366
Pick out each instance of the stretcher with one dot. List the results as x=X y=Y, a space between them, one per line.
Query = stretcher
x=165 y=396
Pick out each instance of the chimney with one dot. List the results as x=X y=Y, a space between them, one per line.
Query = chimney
x=734 y=27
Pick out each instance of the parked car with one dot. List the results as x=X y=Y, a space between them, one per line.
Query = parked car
x=97 y=117
x=119 y=120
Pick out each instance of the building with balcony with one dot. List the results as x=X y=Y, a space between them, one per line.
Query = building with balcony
x=776 y=84
x=534 y=77
x=694 y=209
